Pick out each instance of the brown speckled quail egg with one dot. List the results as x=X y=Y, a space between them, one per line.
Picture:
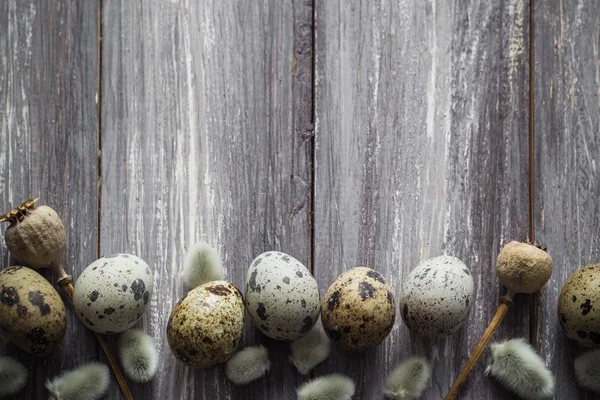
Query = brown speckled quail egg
x=436 y=297
x=579 y=306
x=206 y=325
x=282 y=296
x=32 y=314
x=112 y=293
x=358 y=310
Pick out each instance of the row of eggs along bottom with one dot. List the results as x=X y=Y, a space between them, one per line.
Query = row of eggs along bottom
x=282 y=298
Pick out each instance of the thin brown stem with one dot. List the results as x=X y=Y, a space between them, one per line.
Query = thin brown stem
x=481 y=346
x=65 y=281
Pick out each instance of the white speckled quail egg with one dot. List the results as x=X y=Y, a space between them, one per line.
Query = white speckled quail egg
x=579 y=306
x=112 y=293
x=206 y=325
x=282 y=296
x=358 y=310
x=436 y=297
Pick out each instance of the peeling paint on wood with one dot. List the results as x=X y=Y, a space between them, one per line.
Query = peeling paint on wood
x=48 y=138
x=206 y=115
x=567 y=124
x=421 y=149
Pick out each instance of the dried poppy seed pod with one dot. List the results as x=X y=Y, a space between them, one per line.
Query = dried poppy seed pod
x=36 y=236
x=523 y=268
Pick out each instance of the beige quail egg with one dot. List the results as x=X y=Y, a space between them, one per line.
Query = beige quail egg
x=282 y=296
x=32 y=314
x=206 y=325
x=579 y=306
x=112 y=293
x=358 y=310
x=436 y=297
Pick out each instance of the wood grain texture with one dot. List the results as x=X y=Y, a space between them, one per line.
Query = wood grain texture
x=206 y=112
x=567 y=121
x=421 y=149
x=48 y=135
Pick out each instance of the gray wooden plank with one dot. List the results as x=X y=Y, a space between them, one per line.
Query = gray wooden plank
x=48 y=133
x=206 y=110
x=421 y=149
x=567 y=120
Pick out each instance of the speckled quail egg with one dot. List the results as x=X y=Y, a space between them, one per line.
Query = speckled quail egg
x=579 y=306
x=112 y=293
x=282 y=296
x=358 y=310
x=436 y=297
x=206 y=325
x=32 y=314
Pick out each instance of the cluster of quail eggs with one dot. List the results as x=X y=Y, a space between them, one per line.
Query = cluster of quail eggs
x=282 y=299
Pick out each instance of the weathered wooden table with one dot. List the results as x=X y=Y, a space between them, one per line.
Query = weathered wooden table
x=375 y=133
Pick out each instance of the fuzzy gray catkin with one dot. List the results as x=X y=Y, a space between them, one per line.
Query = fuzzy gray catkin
x=248 y=365
x=138 y=355
x=587 y=370
x=88 y=382
x=202 y=264
x=330 y=387
x=13 y=376
x=517 y=366
x=408 y=380
x=310 y=350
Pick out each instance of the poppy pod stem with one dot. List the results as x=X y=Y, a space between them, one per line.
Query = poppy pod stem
x=505 y=303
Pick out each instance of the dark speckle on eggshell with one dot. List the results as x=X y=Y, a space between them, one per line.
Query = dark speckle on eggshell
x=93 y=296
x=377 y=276
x=366 y=290
x=37 y=299
x=138 y=287
x=9 y=295
x=252 y=281
x=261 y=311
x=218 y=290
x=334 y=300
x=586 y=307
x=286 y=280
